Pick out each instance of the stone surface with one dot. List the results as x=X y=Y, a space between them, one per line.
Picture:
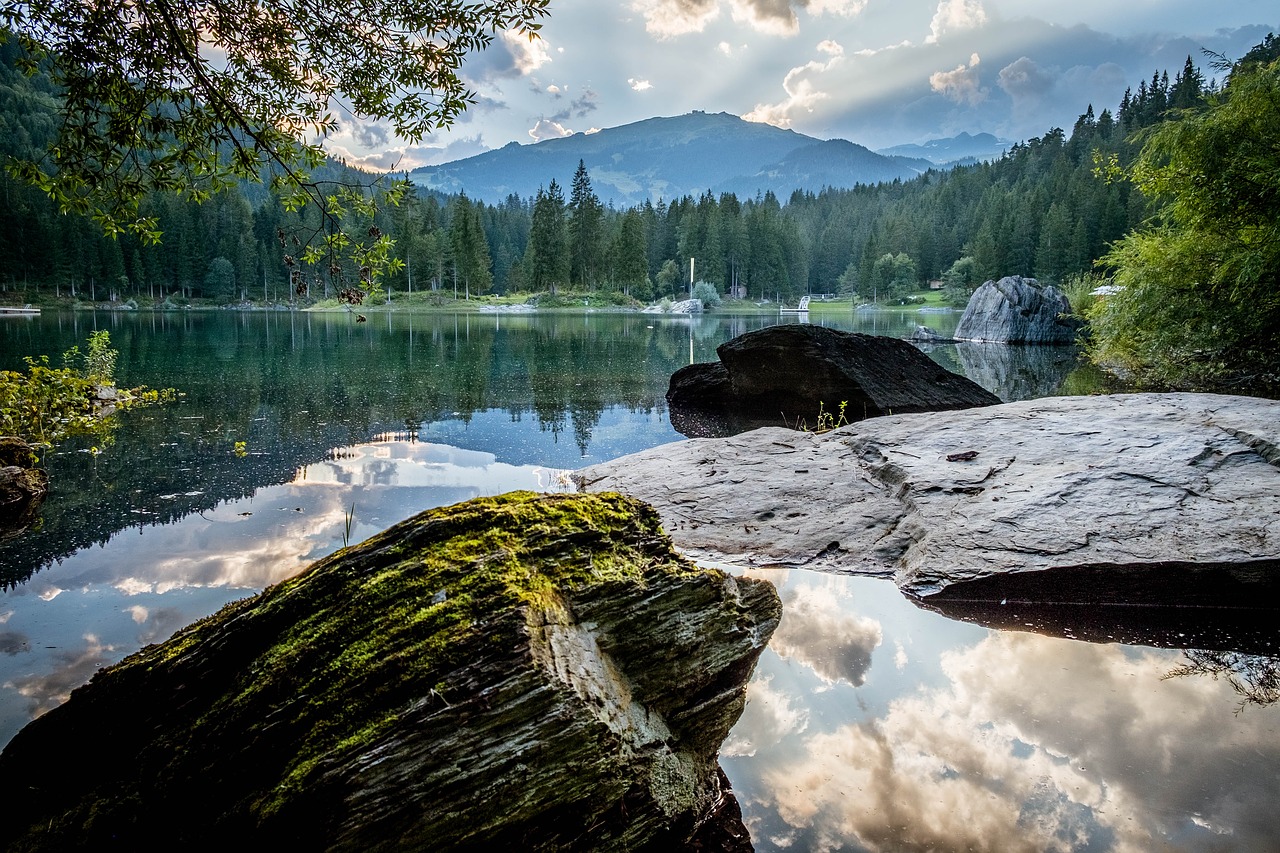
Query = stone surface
x=522 y=672
x=1017 y=310
x=684 y=306
x=787 y=375
x=1154 y=499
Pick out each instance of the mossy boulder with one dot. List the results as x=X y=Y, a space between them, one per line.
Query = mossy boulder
x=532 y=672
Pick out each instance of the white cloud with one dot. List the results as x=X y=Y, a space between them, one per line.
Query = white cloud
x=670 y=18
x=961 y=84
x=818 y=630
x=1007 y=755
x=528 y=52
x=768 y=718
x=725 y=48
x=802 y=92
x=955 y=15
x=639 y=85
x=1023 y=78
x=548 y=129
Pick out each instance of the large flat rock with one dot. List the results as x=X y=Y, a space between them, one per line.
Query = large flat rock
x=1136 y=499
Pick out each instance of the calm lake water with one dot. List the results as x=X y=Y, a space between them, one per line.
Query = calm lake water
x=872 y=724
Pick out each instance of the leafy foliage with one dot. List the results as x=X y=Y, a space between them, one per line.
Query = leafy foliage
x=190 y=98
x=1198 y=303
x=45 y=404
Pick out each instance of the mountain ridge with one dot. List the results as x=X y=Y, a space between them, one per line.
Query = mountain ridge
x=668 y=157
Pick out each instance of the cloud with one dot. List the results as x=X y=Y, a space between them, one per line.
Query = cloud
x=548 y=129
x=670 y=18
x=961 y=84
x=511 y=54
x=802 y=93
x=1023 y=78
x=588 y=102
x=370 y=135
x=639 y=85
x=71 y=669
x=1004 y=754
x=768 y=718
x=528 y=52
x=955 y=15
x=14 y=642
x=818 y=631
x=778 y=17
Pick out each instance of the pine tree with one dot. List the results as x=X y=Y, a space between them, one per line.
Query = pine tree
x=547 y=256
x=585 y=231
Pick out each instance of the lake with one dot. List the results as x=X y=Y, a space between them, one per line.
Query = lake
x=871 y=724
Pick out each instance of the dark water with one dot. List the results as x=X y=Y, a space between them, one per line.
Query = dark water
x=871 y=725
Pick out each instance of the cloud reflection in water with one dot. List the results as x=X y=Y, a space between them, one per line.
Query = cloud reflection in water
x=991 y=741
x=105 y=602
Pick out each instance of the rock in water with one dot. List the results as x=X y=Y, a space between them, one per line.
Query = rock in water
x=1152 y=499
x=1017 y=310
x=531 y=672
x=786 y=375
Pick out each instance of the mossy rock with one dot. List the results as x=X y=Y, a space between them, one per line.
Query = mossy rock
x=533 y=672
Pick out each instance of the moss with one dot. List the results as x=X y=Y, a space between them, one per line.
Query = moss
x=251 y=711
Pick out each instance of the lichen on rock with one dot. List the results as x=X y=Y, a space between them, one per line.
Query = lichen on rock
x=531 y=671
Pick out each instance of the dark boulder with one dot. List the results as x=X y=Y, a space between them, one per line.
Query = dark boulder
x=1017 y=310
x=790 y=375
x=522 y=672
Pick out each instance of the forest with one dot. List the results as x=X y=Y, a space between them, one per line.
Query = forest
x=1042 y=210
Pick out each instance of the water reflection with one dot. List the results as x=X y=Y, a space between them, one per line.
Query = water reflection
x=139 y=587
x=961 y=738
x=1016 y=372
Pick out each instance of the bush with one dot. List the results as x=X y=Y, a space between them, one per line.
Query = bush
x=706 y=291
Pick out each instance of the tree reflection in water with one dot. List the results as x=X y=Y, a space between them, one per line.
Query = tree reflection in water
x=1255 y=678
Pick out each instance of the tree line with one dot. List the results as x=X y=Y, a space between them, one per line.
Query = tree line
x=1041 y=210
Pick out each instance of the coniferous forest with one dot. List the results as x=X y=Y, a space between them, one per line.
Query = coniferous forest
x=1045 y=209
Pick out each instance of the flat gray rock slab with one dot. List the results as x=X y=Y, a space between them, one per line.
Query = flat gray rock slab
x=1093 y=493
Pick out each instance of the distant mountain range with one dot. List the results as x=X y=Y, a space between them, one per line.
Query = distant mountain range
x=954 y=150
x=689 y=155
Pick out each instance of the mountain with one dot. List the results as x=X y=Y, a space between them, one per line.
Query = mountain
x=669 y=157
x=833 y=163
x=953 y=150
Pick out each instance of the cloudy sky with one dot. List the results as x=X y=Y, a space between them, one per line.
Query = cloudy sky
x=877 y=72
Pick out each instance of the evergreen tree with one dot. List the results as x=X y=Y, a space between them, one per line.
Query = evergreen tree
x=585 y=231
x=547 y=256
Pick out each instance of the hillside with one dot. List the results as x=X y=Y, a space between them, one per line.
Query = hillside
x=669 y=158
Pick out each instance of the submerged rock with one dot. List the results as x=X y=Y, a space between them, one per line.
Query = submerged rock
x=1017 y=310
x=1153 y=499
x=532 y=672
x=788 y=375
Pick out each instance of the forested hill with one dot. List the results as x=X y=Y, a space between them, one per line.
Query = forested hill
x=671 y=157
x=1040 y=210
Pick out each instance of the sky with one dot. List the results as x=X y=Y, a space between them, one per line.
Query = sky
x=875 y=72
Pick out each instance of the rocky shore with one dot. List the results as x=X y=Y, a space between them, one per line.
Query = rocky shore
x=1160 y=499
